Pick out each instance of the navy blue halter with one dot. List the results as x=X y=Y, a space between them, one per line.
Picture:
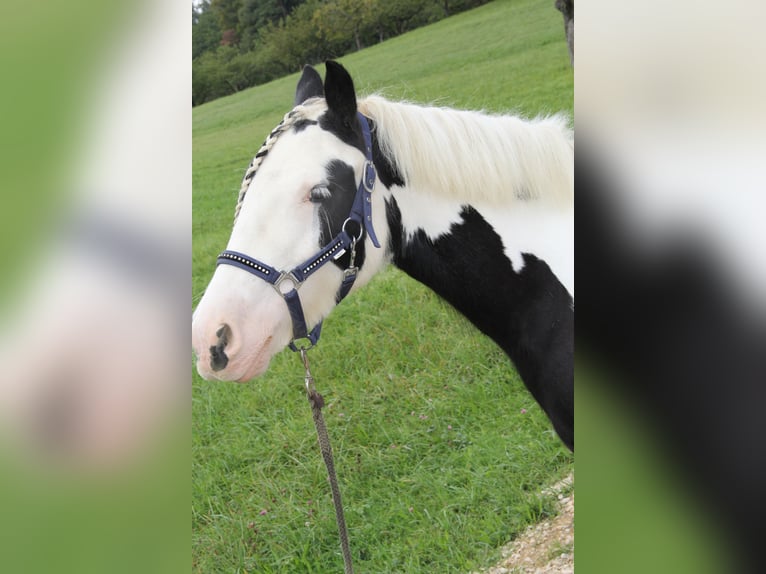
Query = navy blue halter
x=287 y=283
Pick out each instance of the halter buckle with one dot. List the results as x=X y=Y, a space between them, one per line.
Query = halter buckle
x=350 y=272
x=368 y=180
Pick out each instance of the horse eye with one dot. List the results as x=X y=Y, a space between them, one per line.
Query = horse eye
x=319 y=193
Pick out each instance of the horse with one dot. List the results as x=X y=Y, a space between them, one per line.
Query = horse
x=477 y=207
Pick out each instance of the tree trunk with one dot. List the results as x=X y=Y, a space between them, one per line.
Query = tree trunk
x=566 y=7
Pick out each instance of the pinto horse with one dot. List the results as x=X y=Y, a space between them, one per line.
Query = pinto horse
x=477 y=207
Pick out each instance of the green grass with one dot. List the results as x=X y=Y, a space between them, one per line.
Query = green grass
x=439 y=464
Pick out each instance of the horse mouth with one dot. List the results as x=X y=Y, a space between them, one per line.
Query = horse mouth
x=254 y=371
x=256 y=364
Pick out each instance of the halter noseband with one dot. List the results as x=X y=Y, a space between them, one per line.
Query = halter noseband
x=287 y=283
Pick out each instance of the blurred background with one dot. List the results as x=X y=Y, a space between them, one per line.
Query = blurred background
x=95 y=213
x=671 y=272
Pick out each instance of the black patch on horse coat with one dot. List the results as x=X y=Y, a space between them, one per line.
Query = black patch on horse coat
x=301 y=125
x=347 y=131
x=343 y=184
x=332 y=212
x=386 y=171
x=528 y=314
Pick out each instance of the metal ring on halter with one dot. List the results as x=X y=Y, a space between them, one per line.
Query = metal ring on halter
x=299 y=344
x=286 y=282
x=361 y=228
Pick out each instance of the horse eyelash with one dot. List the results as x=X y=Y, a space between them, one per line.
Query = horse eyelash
x=319 y=193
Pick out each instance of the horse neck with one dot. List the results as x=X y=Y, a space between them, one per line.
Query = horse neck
x=507 y=270
x=483 y=259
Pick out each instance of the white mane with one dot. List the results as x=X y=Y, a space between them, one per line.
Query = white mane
x=472 y=156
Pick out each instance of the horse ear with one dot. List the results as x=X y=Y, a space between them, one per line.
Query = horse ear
x=339 y=91
x=309 y=86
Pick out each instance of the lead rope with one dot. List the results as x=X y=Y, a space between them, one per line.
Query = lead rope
x=317 y=402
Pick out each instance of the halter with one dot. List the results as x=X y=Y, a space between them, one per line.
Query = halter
x=287 y=283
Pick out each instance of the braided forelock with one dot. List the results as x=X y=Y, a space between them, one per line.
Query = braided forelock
x=297 y=113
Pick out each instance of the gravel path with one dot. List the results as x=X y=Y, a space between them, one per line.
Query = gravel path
x=547 y=547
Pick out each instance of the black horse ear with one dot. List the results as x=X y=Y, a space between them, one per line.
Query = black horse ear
x=309 y=86
x=339 y=91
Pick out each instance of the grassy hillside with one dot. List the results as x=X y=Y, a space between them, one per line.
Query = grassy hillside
x=440 y=450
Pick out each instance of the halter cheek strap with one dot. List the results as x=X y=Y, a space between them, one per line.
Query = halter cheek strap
x=287 y=283
x=361 y=209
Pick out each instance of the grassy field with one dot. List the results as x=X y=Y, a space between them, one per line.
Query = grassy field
x=439 y=448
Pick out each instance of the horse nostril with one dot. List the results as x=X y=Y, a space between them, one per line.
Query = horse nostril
x=218 y=358
x=223 y=333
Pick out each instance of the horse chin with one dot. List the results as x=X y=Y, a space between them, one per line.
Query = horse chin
x=255 y=369
x=247 y=372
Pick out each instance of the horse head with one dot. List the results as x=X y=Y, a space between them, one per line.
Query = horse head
x=300 y=230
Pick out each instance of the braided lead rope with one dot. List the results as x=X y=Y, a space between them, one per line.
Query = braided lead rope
x=317 y=402
x=315 y=399
x=290 y=118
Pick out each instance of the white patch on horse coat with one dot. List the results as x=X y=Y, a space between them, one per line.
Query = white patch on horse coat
x=546 y=233
x=429 y=212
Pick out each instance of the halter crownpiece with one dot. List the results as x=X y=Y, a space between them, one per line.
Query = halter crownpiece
x=287 y=283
